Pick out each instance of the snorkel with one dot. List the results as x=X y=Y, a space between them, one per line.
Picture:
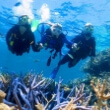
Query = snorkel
x=34 y=25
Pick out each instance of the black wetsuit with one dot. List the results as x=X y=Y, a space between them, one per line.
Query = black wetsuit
x=19 y=43
x=85 y=48
x=53 y=42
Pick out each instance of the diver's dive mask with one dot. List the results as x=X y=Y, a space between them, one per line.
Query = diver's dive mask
x=24 y=20
x=89 y=28
x=56 y=29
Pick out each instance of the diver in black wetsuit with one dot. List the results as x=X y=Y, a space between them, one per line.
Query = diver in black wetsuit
x=20 y=37
x=84 y=46
x=54 y=39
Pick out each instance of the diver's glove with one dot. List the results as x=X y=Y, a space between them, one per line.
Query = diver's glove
x=75 y=47
x=39 y=46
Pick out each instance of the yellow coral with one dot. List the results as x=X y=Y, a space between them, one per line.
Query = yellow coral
x=2 y=78
x=69 y=106
x=2 y=105
x=2 y=96
x=99 y=89
x=40 y=106
x=6 y=107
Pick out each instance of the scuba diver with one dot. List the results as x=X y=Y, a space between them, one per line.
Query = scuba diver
x=54 y=39
x=83 y=46
x=20 y=37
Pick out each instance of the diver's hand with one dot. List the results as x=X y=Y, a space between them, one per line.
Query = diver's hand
x=40 y=46
x=74 y=47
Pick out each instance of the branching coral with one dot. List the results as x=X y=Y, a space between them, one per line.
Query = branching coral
x=41 y=107
x=79 y=101
x=102 y=98
x=4 y=80
x=2 y=96
x=2 y=105
x=70 y=105
x=38 y=95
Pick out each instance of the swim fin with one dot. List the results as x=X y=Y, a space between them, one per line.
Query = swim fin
x=49 y=61
x=54 y=72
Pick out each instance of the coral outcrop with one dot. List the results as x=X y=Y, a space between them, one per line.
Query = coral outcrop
x=99 y=64
x=34 y=92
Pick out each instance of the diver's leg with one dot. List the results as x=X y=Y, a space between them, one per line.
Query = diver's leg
x=73 y=62
x=54 y=55
x=64 y=60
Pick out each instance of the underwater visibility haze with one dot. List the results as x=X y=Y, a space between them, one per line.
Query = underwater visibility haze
x=25 y=82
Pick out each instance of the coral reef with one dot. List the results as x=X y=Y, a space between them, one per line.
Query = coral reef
x=31 y=91
x=34 y=92
x=2 y=105
x=99 y=64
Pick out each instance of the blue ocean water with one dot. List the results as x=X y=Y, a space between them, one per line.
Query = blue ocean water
x=71 y=14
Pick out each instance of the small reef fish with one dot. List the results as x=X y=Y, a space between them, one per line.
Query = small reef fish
x=36 y=60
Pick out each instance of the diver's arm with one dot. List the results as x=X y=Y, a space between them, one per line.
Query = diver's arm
x=47 y=34
x=68 y=42
x=9 y=35
x=35 y=47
